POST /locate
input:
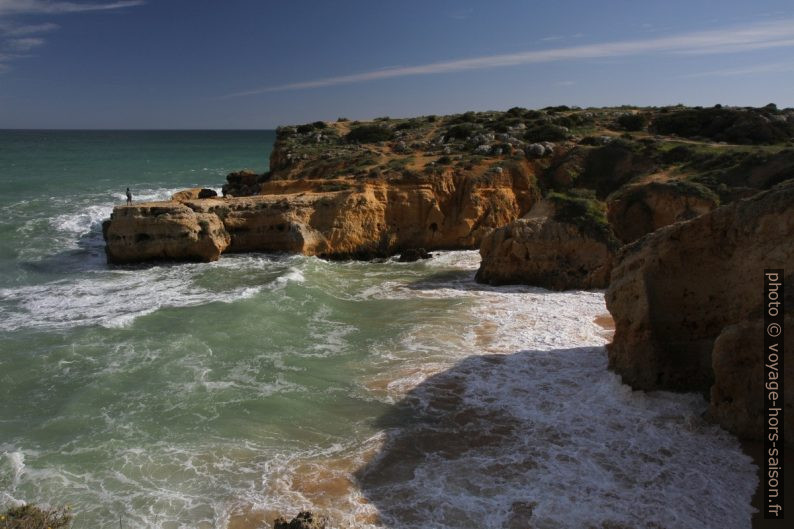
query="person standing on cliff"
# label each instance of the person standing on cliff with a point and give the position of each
(129, 197)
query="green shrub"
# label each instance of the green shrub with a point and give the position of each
(725, 124)
(633, 122)
(369, 134)
(462, 131)
(33, 517)
(543, 131)
(581, 208)
(319, 124)
(409, 124)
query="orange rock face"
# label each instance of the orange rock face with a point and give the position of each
(332, 218)
(163, 231)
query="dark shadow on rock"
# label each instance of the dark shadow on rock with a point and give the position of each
(552, 439)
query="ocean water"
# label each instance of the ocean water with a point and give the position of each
(383, 395)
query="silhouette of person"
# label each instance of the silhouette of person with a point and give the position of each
(129, 197)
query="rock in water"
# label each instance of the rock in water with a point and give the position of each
(678, 294)
(163, 231)
(414, 254)
(304, 520)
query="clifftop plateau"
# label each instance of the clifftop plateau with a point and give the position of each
(367, 189)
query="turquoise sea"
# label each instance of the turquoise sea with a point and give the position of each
(381, 394)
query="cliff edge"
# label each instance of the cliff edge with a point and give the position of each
(687, 302)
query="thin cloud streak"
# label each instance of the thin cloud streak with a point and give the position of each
(23, 31)
(19, 39)
(726, 40)
(43, 7)
(25, 44)
(777, 67)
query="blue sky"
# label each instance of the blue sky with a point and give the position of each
(258, 64)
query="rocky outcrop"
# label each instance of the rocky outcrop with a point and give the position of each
(163, 231)
(641, 209)
(367, 189)
(547, 251)
(243, 183)
(193, 194)
(329, 218)
(304, 520)
(678, 295)
(414, 254)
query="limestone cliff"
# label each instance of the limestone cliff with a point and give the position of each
(163, 231)
(549, 250)
(361, 219)
(683, 298)
(365, 189)
(643, 208)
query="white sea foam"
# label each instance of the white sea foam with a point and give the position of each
(552, 430)
(11, 470)
(510, 409)
(115, 298)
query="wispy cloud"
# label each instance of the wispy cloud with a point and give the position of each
(17, 39)
(777, 67)
(24, 44)
(725, 40)
(46, 7)
(10, 30)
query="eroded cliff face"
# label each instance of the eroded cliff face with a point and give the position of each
(163, 231)
(358, 219)
(678, 295)
(548, 251)
(365, 189)
(641, 209)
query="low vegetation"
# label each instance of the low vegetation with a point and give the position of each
(720, 153)
(581, 208)
(369, 134)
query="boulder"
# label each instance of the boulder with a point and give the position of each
(414, 254)
(193, 194)
(304, 520)
(244, 183)
(677, 294)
